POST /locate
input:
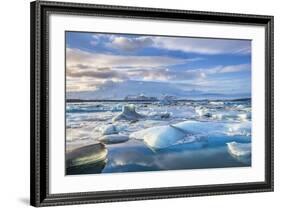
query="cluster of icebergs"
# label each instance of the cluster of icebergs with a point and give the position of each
(222, 114)
(161, 137)
(191, 132)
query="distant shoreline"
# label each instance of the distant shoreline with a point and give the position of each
(153, 101)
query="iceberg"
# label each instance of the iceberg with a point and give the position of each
(201, 111)
(244, 116)
(239, 149)
(159, 137)
(203, 128)
(128, 113)
(109, 129)
(216, 103)
(159, 115)
(239, 129)
(113, 139)
(86, 155)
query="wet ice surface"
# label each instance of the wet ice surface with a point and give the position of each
(193, 134)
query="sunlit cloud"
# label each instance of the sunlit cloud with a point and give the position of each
(130, 44)
(190, 45)
(204, 45)
(77, 56)
(116, 64)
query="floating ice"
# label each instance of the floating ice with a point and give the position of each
(113, 139)
(86, 155)
(216, 103)
(244, 116)
(217, 116)
(117, 107)
(201, 111)
(159, 115)
(239, 149)
(159, 137)
(239, 129)
(108, 129)
(128, 113)
(206, 128)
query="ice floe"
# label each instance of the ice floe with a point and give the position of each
(108, 129)
(159, 137)
(201, 111)
(113, 139)
(216, 103)
(192, 131)
(86, 155)
(158, 115)
(239, 129)
(205, 128)
(239, 149)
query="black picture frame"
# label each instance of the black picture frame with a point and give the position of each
(39, 156)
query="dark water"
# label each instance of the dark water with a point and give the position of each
(135, 156)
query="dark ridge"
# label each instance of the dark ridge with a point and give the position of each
(157, 100)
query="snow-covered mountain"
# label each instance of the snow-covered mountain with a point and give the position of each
(121, 90)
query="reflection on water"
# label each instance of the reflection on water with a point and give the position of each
(134, 156)
(86, 169)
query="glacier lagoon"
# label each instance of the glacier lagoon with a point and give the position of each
(133, 136)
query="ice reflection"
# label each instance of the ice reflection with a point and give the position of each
(135, 156)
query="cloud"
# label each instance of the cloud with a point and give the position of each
(130, 44)
(91, 71)
(204, 45)
(98, 73)
(94, 60)
(227, 69)
(185, 44)
(83, 68)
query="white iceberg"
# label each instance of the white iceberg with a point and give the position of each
(206, 128)
(159, 115)
(244, 116)
(128, 113)
(239, 129)
(201, 111)
(216, 103)
(239, 149)
(159, 137)
(113, 139)
(108, 129)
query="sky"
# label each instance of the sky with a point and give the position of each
(111, 66)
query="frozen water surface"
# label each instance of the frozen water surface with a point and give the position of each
(151, 136)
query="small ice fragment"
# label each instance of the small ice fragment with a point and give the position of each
(239, 129)
(216, 103)
(113, 139)
(201, 111)
(109, 129)
(243, 116)
(159, 115)
(239, 149)
(217, 116)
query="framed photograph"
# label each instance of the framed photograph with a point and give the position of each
(132, 103)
